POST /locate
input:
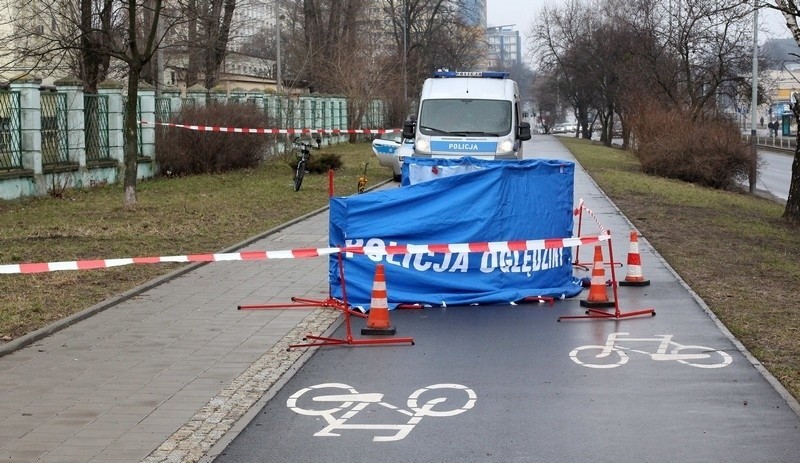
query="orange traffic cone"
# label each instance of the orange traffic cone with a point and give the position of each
(598, 296)
(378, 318)
(634, 276)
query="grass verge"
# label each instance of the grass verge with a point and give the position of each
(732, 249)
(190, 215)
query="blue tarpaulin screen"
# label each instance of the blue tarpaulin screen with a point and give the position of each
(417, 170)
(503, 201)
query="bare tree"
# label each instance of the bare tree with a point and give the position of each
(322, 30)
(94, 35)
(549, 108)
(702, 46)
(61, 37)
(205, 39)
(422, 34)
(584, 53)
(611, 51)
(791, 212)
(140, 41)
(437, 34)
(262, 44)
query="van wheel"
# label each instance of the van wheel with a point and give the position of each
(397, 178)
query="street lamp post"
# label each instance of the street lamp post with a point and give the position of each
(754, 103)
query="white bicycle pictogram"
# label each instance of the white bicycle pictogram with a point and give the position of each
(613, 355)
(349, 402)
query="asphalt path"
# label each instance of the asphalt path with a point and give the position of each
(775, 173)
(532, 401)
(511, 383)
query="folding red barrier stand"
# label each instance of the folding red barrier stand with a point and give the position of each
(348, 339)
(596, 314)
(302, 303)
(332, 303)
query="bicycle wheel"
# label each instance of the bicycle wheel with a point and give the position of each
(307, 406)
(707, 357)
(586, 356)
(299, 174)
(461, 398)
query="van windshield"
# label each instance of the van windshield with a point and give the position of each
(463, 117)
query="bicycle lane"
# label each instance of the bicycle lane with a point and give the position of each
(533, 401)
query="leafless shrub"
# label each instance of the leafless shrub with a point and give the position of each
(708, 151)
(188, 152)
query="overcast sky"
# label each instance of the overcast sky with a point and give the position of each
(523, 12)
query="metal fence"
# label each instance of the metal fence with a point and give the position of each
(779, 143)
(10, 130)
(163, 109)
(66, 134)
(95, 116)
(55, 150)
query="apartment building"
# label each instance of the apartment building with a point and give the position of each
(504, 46)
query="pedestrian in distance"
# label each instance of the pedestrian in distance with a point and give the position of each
(762, 121)
(771, 127)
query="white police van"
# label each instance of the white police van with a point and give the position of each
(472, 113)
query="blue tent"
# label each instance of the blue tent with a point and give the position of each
(501, 201)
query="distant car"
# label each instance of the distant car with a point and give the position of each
(391, 149)
(565, 128)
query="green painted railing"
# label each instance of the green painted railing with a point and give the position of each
(55, 150)
(10, 131)
(95, 117)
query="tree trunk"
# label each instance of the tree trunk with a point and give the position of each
(583, 122)
(193, 66)
(132, 137)
(94, 62)
(792, 211)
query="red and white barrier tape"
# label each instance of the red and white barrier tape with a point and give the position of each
(208, 128)
(589, 211)
(495, 246)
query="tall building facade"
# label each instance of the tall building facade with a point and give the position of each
(504, 46)
(473, 12)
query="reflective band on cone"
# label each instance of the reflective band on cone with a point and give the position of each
(378, 318)
(598, 295)
(634, 275)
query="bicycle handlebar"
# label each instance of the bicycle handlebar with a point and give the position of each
(302, 144)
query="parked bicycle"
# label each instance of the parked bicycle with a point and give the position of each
(304, 157)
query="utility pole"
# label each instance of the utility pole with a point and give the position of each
(754, 104)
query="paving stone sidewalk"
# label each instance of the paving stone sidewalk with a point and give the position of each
(132, 382)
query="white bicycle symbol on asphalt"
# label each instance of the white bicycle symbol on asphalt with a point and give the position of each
(350, 402)
(613, 355)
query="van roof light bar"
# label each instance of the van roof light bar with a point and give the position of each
(483, 74)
